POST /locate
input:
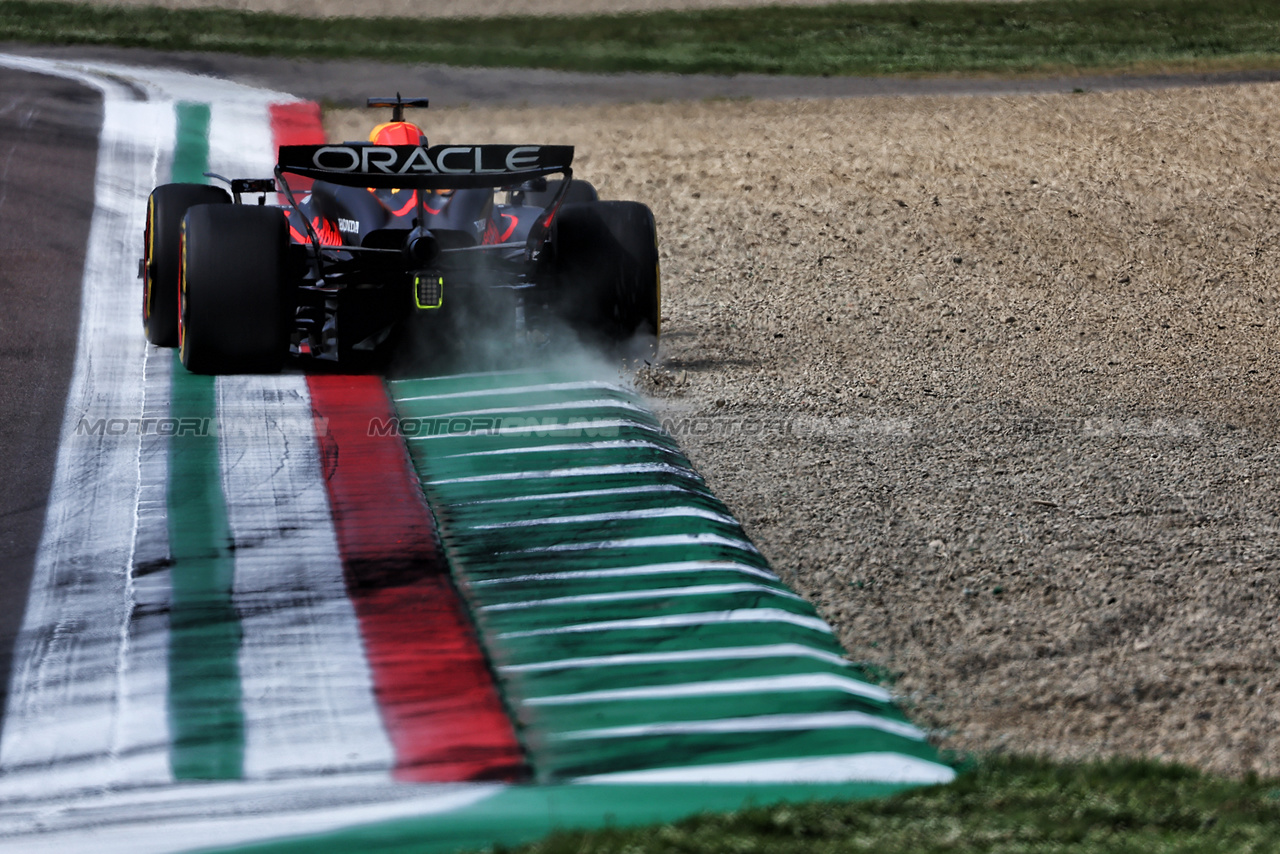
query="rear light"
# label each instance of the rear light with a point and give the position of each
(428, 291)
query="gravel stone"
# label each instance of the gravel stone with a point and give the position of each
(1058, 382)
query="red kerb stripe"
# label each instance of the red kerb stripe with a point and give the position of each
(297, 123)
(432, 681)
(433, 684)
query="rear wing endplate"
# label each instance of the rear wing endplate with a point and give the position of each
(440, 167)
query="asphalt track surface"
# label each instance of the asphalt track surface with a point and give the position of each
(48, 155)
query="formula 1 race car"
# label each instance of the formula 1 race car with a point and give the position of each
(449, 239)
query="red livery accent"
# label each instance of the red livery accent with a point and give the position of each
(327, 232)
(432, 681)
(408, 206)
(491, 234)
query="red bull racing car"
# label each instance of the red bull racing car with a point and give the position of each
(449, 241)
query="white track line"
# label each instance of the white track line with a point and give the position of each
(202, 816)
(143, 685)
(64, 690)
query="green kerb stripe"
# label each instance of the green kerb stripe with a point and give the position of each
(581, 534)
(191, 150)
(206, 719)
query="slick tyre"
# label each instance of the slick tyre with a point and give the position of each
(166, 207)
(607, 274)
(232, 306)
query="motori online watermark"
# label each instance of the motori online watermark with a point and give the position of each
(535, 425)
(198, 427)
(507, 425)
(605, 427)
(798, 426)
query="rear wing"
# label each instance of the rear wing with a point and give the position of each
(441, 167)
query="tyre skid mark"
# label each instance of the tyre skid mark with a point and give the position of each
(61, 730)
(86, 746)
(307, 692)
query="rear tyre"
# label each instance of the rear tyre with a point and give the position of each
(232, 306)
(166, 207)
(607, 278)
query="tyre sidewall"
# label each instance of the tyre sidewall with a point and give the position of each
(606, 277)
(232, 290)
(166, 206)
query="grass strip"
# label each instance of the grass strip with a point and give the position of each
(876, 39)
(1010, 805)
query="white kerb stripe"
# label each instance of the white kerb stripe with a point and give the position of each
(573, 406)
(577, 426)
(787, 684)
(638, 570)
(521, 389)
(673, 621)
(642, 543)
(728, 653)
(640, 595)
(616, 444)
(510, 372)
(579, 471)
(805, 722)
(616, 516)
(849, 768)
(583, 493)
(307, 691)
(240, 140)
